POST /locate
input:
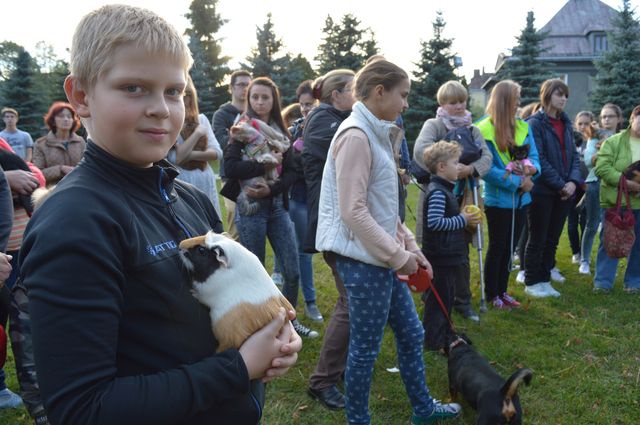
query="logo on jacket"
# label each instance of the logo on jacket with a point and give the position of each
(161, 247)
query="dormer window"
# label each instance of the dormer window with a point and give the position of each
(599, 42)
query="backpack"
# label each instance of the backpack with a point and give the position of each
(471, 149)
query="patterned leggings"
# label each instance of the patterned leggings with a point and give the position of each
(376, 297)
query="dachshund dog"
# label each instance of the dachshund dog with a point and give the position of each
(231, 281)
(260, 143)
(495, 399)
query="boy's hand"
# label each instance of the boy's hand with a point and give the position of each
(263, 347)
(464, 171)
(5, 267)
(289, 351)
(411, 266)
(473, 219)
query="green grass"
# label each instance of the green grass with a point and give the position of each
(583, 349)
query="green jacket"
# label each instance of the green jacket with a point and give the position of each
(614, 156)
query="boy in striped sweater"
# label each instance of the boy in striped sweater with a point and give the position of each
(443, 238)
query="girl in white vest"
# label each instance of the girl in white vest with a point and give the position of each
(358, 220)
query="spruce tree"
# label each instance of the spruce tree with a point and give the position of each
(264, 60)
(21, 94)
(294, 71)
(345, 45)
(618, 78)
(523, 66)
(434, 69)
(210, 66)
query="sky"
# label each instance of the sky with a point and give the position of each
(481, 29)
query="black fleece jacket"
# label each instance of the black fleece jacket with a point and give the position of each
(117, 335)
(320, 127)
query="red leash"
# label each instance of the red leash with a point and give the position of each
(420, 281)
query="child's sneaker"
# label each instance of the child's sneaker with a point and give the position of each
(9, 400)
(575, 259)
(440, 411)
(509, 300)
(556, 276)
(277, 279)
(584, 268)
(498, 304)
(520, 277)
(304, 331)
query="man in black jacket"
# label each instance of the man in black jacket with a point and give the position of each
(223, 119)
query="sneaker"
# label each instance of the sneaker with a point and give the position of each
(498, 304)
(584, 268)
(632, 290)
(278, 280)
(469, 314)
(541, 290)
(509, 300)
(556, 276)
(516, 258)
(311, 312)
(41, 418)
(440, 411)
(575, 259)
(520, 277)
(304, 331)
(599, 290)
(9, 400)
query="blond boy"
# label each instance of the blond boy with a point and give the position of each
(118, 337)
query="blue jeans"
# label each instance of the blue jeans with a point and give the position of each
(606, 266)
(272, 221)
(298, 214)
(375, 297)
(592, 207)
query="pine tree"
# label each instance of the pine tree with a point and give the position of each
(523, 66)
(618, 78)
(294, 70)
(435, 68)
(345, 45)
(265, 59)
(210, 66)
(20, 93)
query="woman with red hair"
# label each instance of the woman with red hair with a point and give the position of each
(57, 153)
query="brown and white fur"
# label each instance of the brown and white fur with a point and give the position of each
(231, 281)
(260, 143)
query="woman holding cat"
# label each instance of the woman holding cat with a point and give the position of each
(196, 147)
(358, 221)
(616, 154)
(506, 195)
(271, 219)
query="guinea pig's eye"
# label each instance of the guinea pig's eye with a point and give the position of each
(202, 250)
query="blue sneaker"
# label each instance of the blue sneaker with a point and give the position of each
(9, 400)
(441, 411)
(277, 279)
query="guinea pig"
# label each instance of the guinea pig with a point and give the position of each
(232, 282)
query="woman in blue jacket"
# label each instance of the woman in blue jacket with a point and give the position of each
(506, 194)
(552, 193)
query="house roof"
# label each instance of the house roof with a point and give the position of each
(569, 28)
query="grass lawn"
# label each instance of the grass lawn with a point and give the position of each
(583, 349)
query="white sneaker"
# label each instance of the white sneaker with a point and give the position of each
(520, 277)
(541, 290)
(584, 268)
(556, 276)
(551, 290)
(575, 259)
(9, 400)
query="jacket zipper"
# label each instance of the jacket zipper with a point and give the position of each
(167, 201)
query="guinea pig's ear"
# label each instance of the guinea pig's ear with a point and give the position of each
(221, 256)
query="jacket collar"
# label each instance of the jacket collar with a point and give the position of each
(154, 184)
(50, 139)
(383, 130)
(443, 182)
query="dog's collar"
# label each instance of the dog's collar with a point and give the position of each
(457, 342)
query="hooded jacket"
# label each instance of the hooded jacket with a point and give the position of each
(118, 337)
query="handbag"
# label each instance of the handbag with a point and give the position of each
(619, 234)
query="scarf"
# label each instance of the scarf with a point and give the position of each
(453, 121)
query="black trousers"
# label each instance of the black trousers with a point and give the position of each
(576, 222)
(501, 246)
(546, 218)
(434, 321)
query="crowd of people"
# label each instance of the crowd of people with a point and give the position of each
(98, 299)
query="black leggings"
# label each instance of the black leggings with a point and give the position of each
(498, 260)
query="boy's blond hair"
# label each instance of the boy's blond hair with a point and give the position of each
(6, 109)
(441, 151)
(101, 32)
